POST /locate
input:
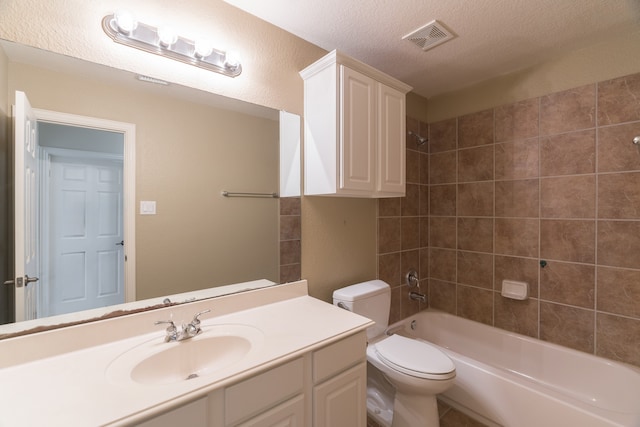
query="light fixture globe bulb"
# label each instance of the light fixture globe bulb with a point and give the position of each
(202, 48)
(125, 22)
(231, 59)
(167, 36)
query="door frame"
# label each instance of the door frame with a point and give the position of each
(129, 173)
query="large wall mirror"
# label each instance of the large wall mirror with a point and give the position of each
(190, 146)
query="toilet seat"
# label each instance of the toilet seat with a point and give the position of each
(415, 358)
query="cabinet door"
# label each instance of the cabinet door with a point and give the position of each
(192, 415)
(341, 401)
(357, 132)
(288, 414)
(391, 145)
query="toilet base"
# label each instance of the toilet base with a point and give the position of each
(410, 410)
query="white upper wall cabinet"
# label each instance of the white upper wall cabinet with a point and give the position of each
(354, 131)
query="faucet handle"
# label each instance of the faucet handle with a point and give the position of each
(172, 331)
(196, 321)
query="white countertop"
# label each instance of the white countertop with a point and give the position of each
(72, 389)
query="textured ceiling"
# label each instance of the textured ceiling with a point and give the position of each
(493, 37)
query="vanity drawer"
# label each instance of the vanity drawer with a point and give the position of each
(339, 356)
(263, 391)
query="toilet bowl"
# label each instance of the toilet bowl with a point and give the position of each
(416, 370)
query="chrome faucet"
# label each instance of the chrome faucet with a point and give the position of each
(185, 332)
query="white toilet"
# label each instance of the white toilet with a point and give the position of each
(416, 370)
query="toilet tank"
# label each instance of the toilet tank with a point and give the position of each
(370, 299)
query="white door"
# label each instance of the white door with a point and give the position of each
(26, 210)
(86, 234)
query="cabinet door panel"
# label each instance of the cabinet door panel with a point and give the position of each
(358, 138)
(288, 414)
(391, 147)
(340, 401)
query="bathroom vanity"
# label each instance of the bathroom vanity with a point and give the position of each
(272, 356)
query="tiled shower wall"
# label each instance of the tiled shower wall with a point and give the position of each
(545, 191)
(290, 249)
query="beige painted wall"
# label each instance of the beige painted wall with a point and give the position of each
(186, 154)
(614, 57)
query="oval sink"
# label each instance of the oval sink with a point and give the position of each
(155, 362)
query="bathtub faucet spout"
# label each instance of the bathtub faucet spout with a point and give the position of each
(418, 297)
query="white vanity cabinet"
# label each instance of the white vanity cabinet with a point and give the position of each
(323, 388)
(354, 131)
(340, 383)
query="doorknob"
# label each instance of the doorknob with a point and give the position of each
(28, 280)
(120, 244)
(9, 282)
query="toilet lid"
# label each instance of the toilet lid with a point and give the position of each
(415, 358)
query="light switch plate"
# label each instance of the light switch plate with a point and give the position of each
(147, 207)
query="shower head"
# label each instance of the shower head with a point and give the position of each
(421, 140)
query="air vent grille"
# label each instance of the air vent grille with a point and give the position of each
(430, 35)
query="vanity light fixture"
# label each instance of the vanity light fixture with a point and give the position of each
(123, 28)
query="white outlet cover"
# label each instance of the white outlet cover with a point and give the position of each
(147, 207)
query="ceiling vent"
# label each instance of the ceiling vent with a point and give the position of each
(430, 35)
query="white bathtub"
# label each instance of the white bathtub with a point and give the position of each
(512, 380)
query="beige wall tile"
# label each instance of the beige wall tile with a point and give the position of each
(475, 199)
(518, 269)
(516, 316)
(568, 197)
(517, 198)
(423, 272)
(475, 269)
(290, 205)
(475, 129)
(616, 151)
(442, 232)
(410, 231)
(475, 234)
(389, 237)
(442, 264)
(475, 304)
(389, 268)
(568, 240)
(442, 296)
(618, 338)
(424, 231)
(566, 283)
(443, 136)
(517, 160)
(442, 167)
(476, 164)
(290, 273)
(567, 326)
(410, 203)
(423, 208)
(389, 206)
(290, 252)
(568, 154)
(517, 121)
(619, 100)
(566, 111)
(619, 291)
(619, 196)
(517, 236)
(413, 166)
(424, 168)
(290, 228)
(619, 243)
(442, 200)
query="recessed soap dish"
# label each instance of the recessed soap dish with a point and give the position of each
(515, 290)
